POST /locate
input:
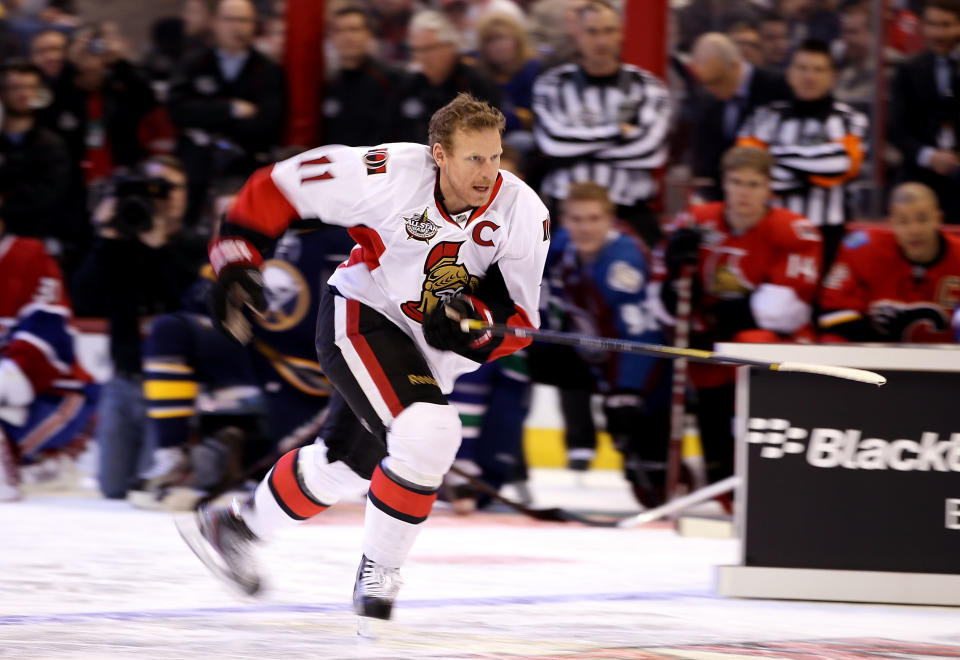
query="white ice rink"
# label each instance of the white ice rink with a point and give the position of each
(94, 579)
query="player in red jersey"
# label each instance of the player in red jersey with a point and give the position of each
(45, 397)
(899, 283)
(757, 269)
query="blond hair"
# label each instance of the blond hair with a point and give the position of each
(488, 28)
(588, 191)
(466, 113)
(753, 158)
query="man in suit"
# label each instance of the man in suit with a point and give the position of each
(925, 112)
(228, 102)
(730, 89)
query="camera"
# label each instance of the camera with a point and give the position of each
(136, 196)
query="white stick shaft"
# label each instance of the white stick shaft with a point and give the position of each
(681, 503)
(849, 373)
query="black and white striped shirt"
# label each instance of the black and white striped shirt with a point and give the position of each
(818, 148)
(578, 120)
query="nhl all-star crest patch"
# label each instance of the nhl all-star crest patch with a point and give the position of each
(421, 227)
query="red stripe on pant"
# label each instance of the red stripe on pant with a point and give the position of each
(370, 360)
(289, 491)
(405, 503)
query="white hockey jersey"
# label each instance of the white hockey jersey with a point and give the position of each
(410, 253)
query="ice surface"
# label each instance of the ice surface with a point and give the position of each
(84, 578)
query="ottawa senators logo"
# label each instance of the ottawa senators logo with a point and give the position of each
(445, 278)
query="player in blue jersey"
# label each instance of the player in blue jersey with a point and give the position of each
(599, 279)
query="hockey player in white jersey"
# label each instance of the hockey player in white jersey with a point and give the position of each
(437, 227)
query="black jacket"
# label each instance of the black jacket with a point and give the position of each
(200, 98)
(419, 99)
(707, 116)
(127, 98)
(359, 105)
(34, 177)
(124, 281)
(917, 110)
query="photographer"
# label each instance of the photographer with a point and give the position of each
(135, 270)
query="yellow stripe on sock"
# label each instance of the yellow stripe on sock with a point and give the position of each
(170, 389)
(166, 413)
(167, 368)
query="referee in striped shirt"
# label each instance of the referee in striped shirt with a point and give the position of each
(603, 121)
(817, 143)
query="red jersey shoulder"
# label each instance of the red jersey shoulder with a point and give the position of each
(29, 274)
(707, 214)
(953, 250)
(872, 249)
(786, 228)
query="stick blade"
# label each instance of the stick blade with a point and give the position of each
(847, 373)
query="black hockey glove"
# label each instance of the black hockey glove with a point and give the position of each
(237, 286)
(442, 329)
(683, 248)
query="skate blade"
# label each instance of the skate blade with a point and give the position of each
(189, 530)
(371, 630)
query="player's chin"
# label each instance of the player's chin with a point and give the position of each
(481, 194)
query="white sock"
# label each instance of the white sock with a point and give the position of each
(396, 509)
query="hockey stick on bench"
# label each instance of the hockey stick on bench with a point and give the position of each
(656, 350)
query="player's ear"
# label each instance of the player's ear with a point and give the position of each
(438, 154)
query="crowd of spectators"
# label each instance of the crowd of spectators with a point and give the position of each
(93, 124)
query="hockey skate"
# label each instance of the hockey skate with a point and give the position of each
(376, 589)
(224, 543)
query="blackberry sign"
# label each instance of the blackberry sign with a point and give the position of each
(843, 476)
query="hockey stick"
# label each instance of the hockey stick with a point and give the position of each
(678, 399)
(672, 352)
(681, 503)
(549, 515)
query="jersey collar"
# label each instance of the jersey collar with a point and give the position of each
(476, 213)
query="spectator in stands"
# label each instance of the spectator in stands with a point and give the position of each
(896, 283)
(774, 40)
(747, 39)
(197, 17)
(925, 108)
(476, 11)
(730, 89)
(552, 26)
(136, 269)
(756, 269)
(818, 144)
(856, 63)
(391, 19)
(810, 19)
(48, 51)
(441, 76)
(617, 143)
(228, 102)
(506, 56)
(34, 163)
(99, 107)
(360, 98)
(700, 16)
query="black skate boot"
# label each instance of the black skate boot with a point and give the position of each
(376, 589)
(224, 543)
